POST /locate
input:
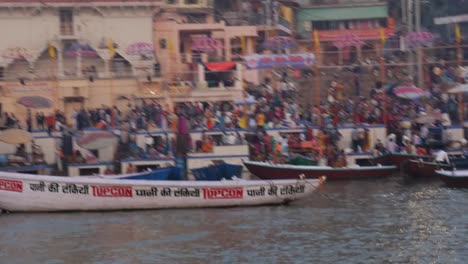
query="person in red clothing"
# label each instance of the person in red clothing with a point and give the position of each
(50, 122)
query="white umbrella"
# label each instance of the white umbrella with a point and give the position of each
(96, 140)
(427, 119)
(15, 136)
(462, 88)
(408, 91)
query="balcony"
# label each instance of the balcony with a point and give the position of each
(67, 31)
(189, 6)
(322, 3)
(241, 19)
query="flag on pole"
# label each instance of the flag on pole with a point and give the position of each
(110, 46)
(382, 36)
(170, 46)
(51, 50)
(242, 45)
(457, 33)
(316, 40)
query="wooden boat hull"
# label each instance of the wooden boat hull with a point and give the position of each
(454, 178)
(268, 171)
(423, 169)
(23, 192)
(397, 159)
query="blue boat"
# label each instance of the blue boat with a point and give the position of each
(217, 172)
(170, 173)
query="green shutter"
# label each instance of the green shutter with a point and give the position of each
(339, 13)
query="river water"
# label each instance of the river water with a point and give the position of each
(370, 221)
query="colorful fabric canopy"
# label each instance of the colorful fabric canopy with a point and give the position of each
(84, 50)
(349, 40)
(35, 102)
(279, 42)
(206, 44)
(408, 91)
(220, 66)
(140, 48)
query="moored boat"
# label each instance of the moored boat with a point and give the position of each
(268, 171)
(420, 168)
(217, 172)
(397, 159)
(454, 178)
(427, 168)
(24, 192)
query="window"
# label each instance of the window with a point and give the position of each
(66, 22)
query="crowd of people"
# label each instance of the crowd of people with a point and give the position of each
(275, 104)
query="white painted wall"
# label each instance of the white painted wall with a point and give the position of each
(20, 29)
(34, 32)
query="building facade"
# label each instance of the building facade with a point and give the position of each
(108, 52)
(338, 22)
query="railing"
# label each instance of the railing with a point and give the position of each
(189, 3)
(66, 29)
(240, 18)
(311, 3)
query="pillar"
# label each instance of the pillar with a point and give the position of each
(359, 53)
(107, 68)
(239, 78)
(250, 43)
(79, 73)
(340, 56)
(201, 72)
(59, 48)
(227, 47)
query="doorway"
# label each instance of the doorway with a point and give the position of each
(71, 105)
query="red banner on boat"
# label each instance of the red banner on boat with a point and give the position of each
(299, 60)
(223, 193)
(112, 191)
(10, 185)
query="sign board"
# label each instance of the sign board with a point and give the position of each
(180, 90)
(286, 19)
(298, 60)
(450, 19)
(29, 88)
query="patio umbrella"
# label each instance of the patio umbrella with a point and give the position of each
(35, 102)
(408, 91)
(15, 136)
(416, 39)
(349, 40)
(205, 44)
(249, 100)
(462, 88)
(140, 48)
(428, 119)
(96, 140)
(279, 42)
(17, 53)
(84, 50)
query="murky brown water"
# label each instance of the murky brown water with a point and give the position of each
(381, 221)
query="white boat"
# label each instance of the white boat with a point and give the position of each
(454, 178)
(36, 193)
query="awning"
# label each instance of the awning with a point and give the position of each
(220, 66)
(342, 13)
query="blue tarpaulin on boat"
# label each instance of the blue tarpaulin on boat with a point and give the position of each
(217, 172)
